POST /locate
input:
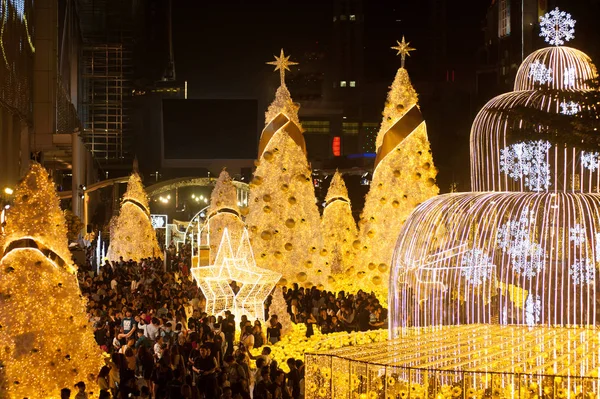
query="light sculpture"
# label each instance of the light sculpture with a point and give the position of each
(404, 176)
(256, 283)
(41, 354)
(132, 235)
(283, 218)
(498, 288)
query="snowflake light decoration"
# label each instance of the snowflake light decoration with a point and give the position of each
(589, 160)
(556, 27)
(569, 108)
(533, 306)
(540, 73)
(577, 234)
(569, 77)
(476, 267)
(527, 160)
(582, 271)
(514, 238)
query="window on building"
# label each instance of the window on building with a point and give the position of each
(350, 127)
(503, 18)
(343, 83)
(352, 83)
(334, 18)
(342, 17)
(352, 17)
(315, 127)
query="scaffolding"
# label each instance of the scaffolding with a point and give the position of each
(104, 104)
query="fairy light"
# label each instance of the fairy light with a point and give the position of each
(37, 276)
(133, 236)
(338, 228)
(404, 176)
(256, 283)
(223, 214)
(283, 217)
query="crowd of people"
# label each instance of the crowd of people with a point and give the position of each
(163, 345)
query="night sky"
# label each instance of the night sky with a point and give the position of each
(221, 48)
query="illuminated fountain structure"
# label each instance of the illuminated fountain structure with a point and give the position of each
(499, 287)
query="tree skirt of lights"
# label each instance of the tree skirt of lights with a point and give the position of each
(468, 361)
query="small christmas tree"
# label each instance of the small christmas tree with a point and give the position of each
(338, 227)
(223, 213)
(279, 307)
(133, 236)
(283, 217)
(41, 354)
(404, 176)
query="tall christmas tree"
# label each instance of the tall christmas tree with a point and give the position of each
(47, 343)
(223, 213)
(403, 177)
(133, 238)
(338, 227)
(283, 217)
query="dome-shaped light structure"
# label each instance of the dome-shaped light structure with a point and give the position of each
(558, 68)
(552, 80)
(503, 258)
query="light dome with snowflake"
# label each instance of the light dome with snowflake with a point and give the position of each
(525, 247)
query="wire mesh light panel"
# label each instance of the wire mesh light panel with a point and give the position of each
(553, 81)
(504, 258)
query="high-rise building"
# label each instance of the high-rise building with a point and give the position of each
(107, 68)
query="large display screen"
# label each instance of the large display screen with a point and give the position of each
(210, 129)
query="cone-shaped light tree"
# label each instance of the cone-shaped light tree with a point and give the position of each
(338, 227)
(403, 177)
(283, 217)
(133, 236)
(223, 213)
(41, 354)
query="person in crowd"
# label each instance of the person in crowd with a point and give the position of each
(274, 330)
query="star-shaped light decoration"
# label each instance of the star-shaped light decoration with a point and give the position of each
(256, 283)
(403, 49)
(282, 63)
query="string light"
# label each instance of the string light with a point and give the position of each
(133, 236)
(41, 355)
(256, 283)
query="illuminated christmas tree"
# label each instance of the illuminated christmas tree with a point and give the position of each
(133, 238)
(338, 227)
(283, 217)
(223, 213)
(279, 307)
(403, 177)
(47, 343)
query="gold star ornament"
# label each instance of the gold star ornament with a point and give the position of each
(403, 49)
(282, 63)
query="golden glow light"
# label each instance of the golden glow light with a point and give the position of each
(132, 235)
(283, 218)
(256, 283)
(403, 178)
(41, 355)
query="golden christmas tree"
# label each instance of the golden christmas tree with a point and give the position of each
(46, 340)
(338, 227)
(283, 217)
(223, 213)
(403, 177)
(133, 238)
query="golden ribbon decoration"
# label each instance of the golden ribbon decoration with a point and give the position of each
(281, 121)
(398, 132)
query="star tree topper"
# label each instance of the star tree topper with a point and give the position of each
(282, 63)
(403, 49)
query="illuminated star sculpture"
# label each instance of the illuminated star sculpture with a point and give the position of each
(256, 283)
(282, 63)
(403, 49)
